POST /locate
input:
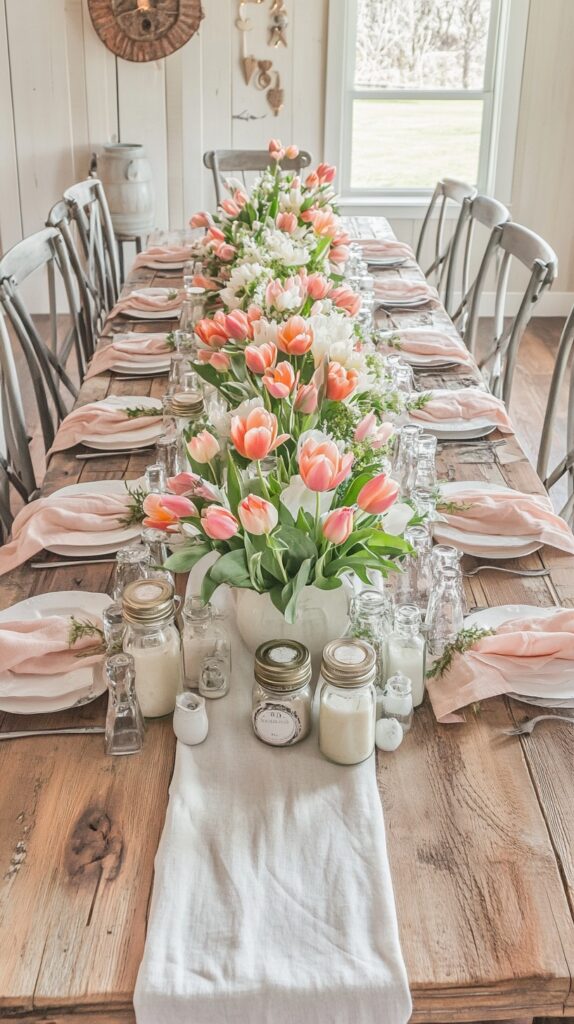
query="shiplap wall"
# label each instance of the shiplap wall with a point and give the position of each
(63, 95)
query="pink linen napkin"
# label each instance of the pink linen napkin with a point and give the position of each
(153, 300)
(400, 290)
(466, 404)
(539, 648)
(374, 247)
(507, 515)
(162, 254)
(130, 348)
(96, 419)
(69, 520)
(427, 341)
(42, 646)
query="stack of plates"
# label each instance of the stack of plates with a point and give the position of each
(482, 545)
(149, 366)
(106, 542)
(37, 694)
(125, 439)
(387, 262)
(133, 313)
(456, 430)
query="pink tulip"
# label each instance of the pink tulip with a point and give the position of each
(324, 222)
(257, 515)
(238, 325)
(254, 312)
(230, 207)
(163, 511)
(276, 151)
(220, 361)
(377, 436)
(366, 426)
(295, 336)
(339, 254)
(286, 222)
(240, 197)
(322, 466)
(260, 358)
(203, 447)
(280, 380)
(376, 496)
(209, 283)
(218, 523)
(292, 152)
(213, 332)
(215, 234)
(340, 382)
(255, 435)
(326, 173)
(312, 180)
(226, 252)
(183, 483)
(200, 220)
(338, 525)
(345, 299)
(307, 399)
(318, 286)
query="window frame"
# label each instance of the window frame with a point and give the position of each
(500, 95)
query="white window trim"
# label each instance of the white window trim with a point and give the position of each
(501, 95)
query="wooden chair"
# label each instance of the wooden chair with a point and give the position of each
(90, 314)
(223, 162)
(89, 209)
(46, 363)
(447, 192)
(16, 469)
(509, 242)
(490, 214)
(566, 465)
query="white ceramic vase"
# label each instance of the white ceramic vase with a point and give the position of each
(126, 175)
(322, 615)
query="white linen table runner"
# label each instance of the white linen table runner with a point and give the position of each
(272, 899)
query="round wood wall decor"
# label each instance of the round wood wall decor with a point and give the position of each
(141, 30)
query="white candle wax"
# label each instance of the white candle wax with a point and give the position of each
(158, 675)
(409, 661)
(347, 727)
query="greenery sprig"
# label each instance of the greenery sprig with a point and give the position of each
(420, 401)
(135, 513)
(136, 411)
(466, 639)
(81, 628)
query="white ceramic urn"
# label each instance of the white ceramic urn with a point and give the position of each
(126, 175)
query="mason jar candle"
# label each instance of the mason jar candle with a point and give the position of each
(348, 701)
(154, 643)
(281, 704)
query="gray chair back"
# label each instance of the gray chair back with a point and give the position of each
(224, 162)
(509, 242)
(90, 315)
(16, 468)
(89, 209)
(489, 213)
(565, 466)
(448, 191)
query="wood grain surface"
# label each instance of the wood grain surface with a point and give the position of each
(480, 830)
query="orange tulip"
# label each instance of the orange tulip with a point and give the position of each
(340, 382)
(378, 494)
(322, 466)
(255, 435)
(295, 336)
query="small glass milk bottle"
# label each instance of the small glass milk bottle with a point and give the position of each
(348, 701)
(407, 650)
(154, 643)
(206, 650)
(372, 620)
(398, 700)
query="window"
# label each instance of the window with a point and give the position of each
(420, 93)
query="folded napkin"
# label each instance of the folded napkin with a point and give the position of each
(374, 247)
(529, 656)
(129, 348)
(63, 519)
(272, 896)
(162, 254)
(466, 404)
(400, 290)
(427, 341)
(504, 514)
(153, 300)
(47, 646)
(96, 419)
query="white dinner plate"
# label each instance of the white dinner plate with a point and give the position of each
(151, 314)
(158, 265)
(128, 438)
(492, 618)
(81, 685)
(456, 430)
(416, 360)
(106, 542)
(482, 545)
(386, 262)
(151, 367)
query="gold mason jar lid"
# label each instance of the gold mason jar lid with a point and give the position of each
(187, 403)
(282, 664)
(349, 662)
(148, 601)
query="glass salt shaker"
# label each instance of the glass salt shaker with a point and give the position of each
(398, 700)
(204, 639)
(407, 650)
(155, 480)
(445, 613)
(125, 726)
(114, 627)
(154, 643)
(348, 701)
(131, 564)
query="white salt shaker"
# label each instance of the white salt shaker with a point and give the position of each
(190, 723)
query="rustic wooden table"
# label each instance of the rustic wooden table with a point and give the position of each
(480, 831)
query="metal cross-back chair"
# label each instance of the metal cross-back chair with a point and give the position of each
(16, 468)
(488, 212)
(223, 162)
(511, 242)
(447, 191)
(46, 363)
(89, 209)
(566, 465)
(90, 314)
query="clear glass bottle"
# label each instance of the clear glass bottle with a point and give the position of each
(445, 613)
(155, 480)
(166, 449)
(371, 619)
(206, 650)
(281, 695)
(188, 411)
(425, 470)
(132, 563)
(424, 500)
(125, 726)
(405, 458)
(154, 643)
(114, 627)
(348, 701)
(398, 700)
(413, 583)
(407, 650)
(444, 555)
